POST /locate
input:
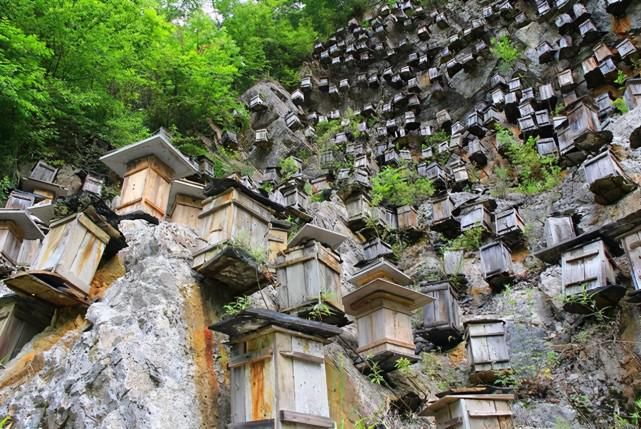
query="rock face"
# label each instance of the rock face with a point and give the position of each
(133, 361)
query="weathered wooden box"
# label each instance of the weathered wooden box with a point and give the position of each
(21, 319)
(16, 227)
(407, 218)
(383, 311)
(477, 153)
(359, 210)
(277, 367)
(185, 203)
(476, 216)
(558, 229)
(43, 172)
(309, 272)
(19, 200)
(509, 227)
(62, 272)
(487, 348)
(606, 178)
(631, 243)
(234, 215)
(588, 272)
(632, 94)
(148, 168)
(443, 219)
(472, 411)
(496, 264)
(441, 317)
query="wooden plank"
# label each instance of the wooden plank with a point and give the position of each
(305, 419)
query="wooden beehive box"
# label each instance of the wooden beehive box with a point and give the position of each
(496, 264)
(407, 218)
(476, 215)
(21, 319)
(148, 168)
(487, 349)
(277, 370)
(16, 226)
(509, 227)
(62, 272)
(547, 146)
(377, 248)
(359, 210)
(441, 318)
(383, 311)
(558, 229)
(19, 200)
(93, 184)
(43, 172)
(632, 94)
(631, 243)
(309, 272)
(185, 203)
(588, 271)
(233, 215)
(443, 219)
(472, 411)
(606, 178)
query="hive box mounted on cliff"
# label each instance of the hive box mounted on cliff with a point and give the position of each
(589, 278)
(509, 227)
(41, 182)
(608, 182)
(441, 317)
(383, 310)
(233, 222)
(443, 219)
(487, 349)
(185, 203)
(631, 242)
(16, 226)
(67, 261)
(148, 167)
(277, 370)
(21, 318)
(496, 264)
(309, 273)
(472, 411)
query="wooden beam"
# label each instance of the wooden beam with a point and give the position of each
(305, 419)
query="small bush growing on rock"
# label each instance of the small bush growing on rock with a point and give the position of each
(620, 105)
(470, 240)
(535, 173)
(400, 186)
(239, 304)
(403, 365)
(620, 80)
(288, 167)
(437, 137)
(503, 49)
(376, 374)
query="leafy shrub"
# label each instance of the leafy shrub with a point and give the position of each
(437, 137)
(507, 54)
(376, 374)
(535, 173)
(325, 131)
(468, 241)
(403, 365)
(620, 80)
(400, 186)
(239, 304)
(5, 187)
(620, 105)
(288, 167)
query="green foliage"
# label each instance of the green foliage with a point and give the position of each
(239, 304)
(321, 309)
(501, 182)
(620, 79)
(242, 241)
(288, 167)
(5, 188)
(74, 74)
(628, 421)
(535, 173)
(307, 188)
(403, 365)
(505, 51)
(469, 240)
(267, 186)
(376, 372)
(437, 137)
(620, 105)
(400, 186)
